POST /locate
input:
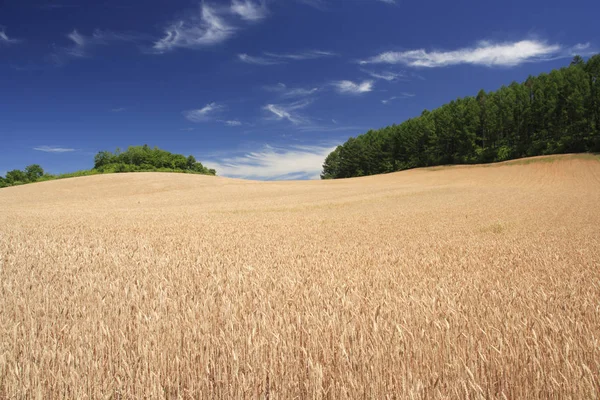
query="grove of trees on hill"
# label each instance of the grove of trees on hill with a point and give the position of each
(144, 158)
(135, 159)
(32, 173)
(551, 113)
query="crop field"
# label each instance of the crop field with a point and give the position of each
(449, 282)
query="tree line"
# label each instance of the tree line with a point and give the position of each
(134, 159)
(552, 113)
(32, 173)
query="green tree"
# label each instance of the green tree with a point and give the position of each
(576, 94)
(34, 172)
(468, 114)
(592, 69)
(191, 162)
(577, 60)
(16, 177)
(331, 165)
(103, 158)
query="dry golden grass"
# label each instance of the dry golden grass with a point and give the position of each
(460, 282)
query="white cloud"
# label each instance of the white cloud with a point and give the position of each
(205, 113)
(300, 92)
(403, 95)
(275, 58)
(116, 110)
(388, 1)
(233, 122)
(287, 111)
(249, 10)
(79, 44)
(304, 55)
(385, 75)
(82, 45)
(581, 46)
(53, 149)
(209, 28)
(77, 38)
(274, 163)
(486, 53)
(4, 39)
(285, 91)
(186, 129)
(257, 60)
(582, 49)
(349, 87)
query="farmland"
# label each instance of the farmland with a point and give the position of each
(445, 282)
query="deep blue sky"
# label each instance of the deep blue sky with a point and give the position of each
(258, 89)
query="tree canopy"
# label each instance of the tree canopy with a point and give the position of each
(144, 158)
(552, 113)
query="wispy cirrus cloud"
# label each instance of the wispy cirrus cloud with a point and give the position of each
(582, 49)
(118, 110)
(5, 40)
(249, 10)
(403, 95)
(205, 113)
(257, 60)
(268, 58)
(207, 28)
(303, 55)
(82, 45)
(389, 76)
(274, 163)
(287, 112)
(54, 149)
(486, 53)
(284, 91)
(232, 122)
(349, 87)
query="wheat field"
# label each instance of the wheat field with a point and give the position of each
(455, 282)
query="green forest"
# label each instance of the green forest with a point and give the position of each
(135, 159)
(552, 113)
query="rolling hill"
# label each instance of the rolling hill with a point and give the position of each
(478, 281)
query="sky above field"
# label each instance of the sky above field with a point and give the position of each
(256, 89)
